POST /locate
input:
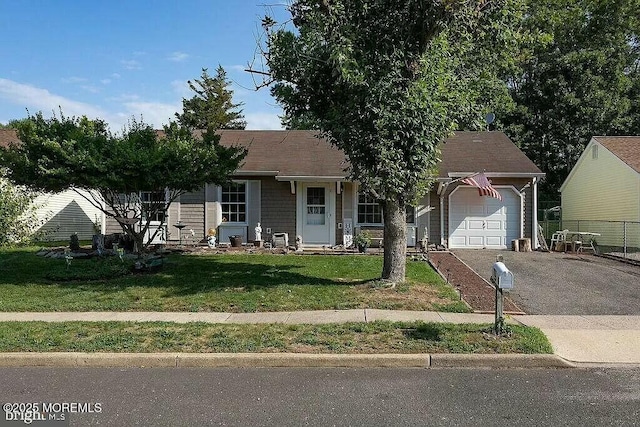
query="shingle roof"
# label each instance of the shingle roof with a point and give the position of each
(7, 136)
(291, 153)
(626, 148)
(492, 152)
(300, 153)
(296, 153)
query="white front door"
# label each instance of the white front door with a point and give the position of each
(316, 208)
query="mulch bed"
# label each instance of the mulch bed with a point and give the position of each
(475, 291)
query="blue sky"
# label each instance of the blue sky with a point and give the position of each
(114, 59)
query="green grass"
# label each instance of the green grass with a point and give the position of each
(230, 282)
(376, 337)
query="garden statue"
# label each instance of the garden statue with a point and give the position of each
(211, 237)
(298, 243)
(258, 231)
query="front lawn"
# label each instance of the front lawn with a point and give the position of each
(227, 283)
(376, 337)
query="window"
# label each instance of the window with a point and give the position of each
(234, 202)
(315, 206)
(369, 210)
(153, 205)
(411, 215)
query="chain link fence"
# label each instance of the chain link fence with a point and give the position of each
(617, 238)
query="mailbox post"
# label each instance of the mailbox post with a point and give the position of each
(502, 279)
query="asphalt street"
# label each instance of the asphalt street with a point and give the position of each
(559, 283)
(357, 397)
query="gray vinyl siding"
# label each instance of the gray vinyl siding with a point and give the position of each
(192, 215)
(278, 208)
(254, 209)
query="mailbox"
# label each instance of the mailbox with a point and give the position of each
(501, 276)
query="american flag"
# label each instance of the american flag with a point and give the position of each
(483, 184)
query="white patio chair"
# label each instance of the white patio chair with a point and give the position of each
(559, 237)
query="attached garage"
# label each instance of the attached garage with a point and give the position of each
(484, 222)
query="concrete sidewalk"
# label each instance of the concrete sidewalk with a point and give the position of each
(590, 340)
(583, 340)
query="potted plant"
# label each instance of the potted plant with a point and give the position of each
(363, 240)
(236, 241)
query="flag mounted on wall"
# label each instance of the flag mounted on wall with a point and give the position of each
(484, 185)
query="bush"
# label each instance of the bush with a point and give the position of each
(18, 219)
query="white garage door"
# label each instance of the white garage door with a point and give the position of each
(483, 222)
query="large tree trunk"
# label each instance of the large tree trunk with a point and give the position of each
(395, 241)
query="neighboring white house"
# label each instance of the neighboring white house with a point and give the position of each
(604, 185)
(63, 214)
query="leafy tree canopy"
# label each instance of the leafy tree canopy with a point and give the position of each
(386, 82)
(68, 152)
(581, 78)
(212, 105)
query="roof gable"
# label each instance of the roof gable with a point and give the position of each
(7, 136)
(291, 153)
(492, 152)
(626, 148)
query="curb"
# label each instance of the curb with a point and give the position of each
(499, 361)
(290, 360)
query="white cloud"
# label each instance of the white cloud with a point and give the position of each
(105, 81)
(74, 80)
(181, 88)
(115, 75)
(90, 88)
(131, 64)
(37, 99)
(124, 97)
(262, 121)
(239, 68)
(153, 113)
(177, 56)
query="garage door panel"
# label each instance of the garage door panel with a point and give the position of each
(483, 222)
(458, 241)
(494, 241)
(475, 241)
(475, 224)
(494, 225)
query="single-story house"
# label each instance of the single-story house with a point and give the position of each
(607, 171)
(293, 182)
(62, 214)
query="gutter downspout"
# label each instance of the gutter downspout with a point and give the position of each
(442, 218)
(442, 188)
(534, 214)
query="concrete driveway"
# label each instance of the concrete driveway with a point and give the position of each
(559, 283)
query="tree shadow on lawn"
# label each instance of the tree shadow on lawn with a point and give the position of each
(205, 275)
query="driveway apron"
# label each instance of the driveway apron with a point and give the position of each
(562, 283)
